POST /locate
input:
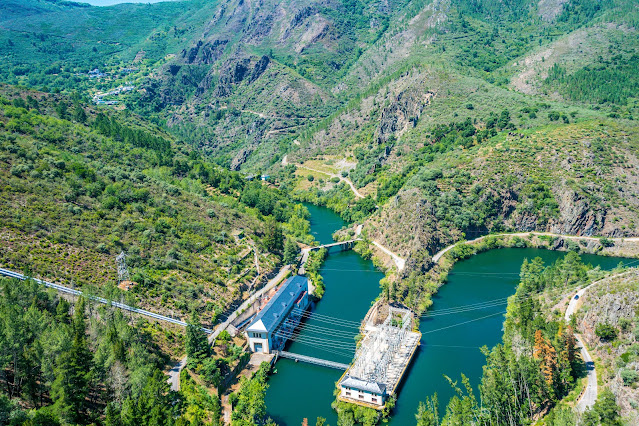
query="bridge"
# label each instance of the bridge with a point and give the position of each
(344, 245)
(73, 292)
(313, 360)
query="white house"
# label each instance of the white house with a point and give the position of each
(358, 390)
(275, 323)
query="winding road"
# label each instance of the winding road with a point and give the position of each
(440, 253)
(340, 177)
(589, 396)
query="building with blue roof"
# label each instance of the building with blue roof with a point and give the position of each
(275, 323)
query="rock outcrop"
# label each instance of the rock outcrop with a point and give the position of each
(402, 114)
(576, 216)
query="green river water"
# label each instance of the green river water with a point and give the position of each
(450, 342)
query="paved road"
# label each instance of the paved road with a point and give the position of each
(174, 373)
(589, 397)
(118, 305)
(440, 253)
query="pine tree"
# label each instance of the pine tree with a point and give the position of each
(273, 238)
(197, 345)
(71, 386)
(291, 251)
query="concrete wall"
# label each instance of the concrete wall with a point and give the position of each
(363, 396)
(264, 341)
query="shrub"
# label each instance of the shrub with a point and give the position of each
(310, 178)
(606, 331)
(628, 376)
(606, 242)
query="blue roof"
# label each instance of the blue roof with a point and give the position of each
(280, 304)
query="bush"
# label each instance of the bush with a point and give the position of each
(628, 376)
(606, 242)
(310, 178)
(606, 331)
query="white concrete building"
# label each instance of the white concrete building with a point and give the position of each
(361, 391)
(275, 323)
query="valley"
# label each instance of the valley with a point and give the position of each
(476, 160)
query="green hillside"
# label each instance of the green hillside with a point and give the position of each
(80, 186)
(136, 127)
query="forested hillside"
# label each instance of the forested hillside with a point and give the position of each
(81, 186)
(77, 363)
(184, 134)
(545, 371)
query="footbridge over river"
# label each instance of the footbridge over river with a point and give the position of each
(343, 245)
(312, 360)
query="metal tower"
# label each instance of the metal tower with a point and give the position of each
(123, 272)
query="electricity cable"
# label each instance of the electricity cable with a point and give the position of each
(464, 322)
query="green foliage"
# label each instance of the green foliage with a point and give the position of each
(249, 407)
(613, 80)
(605, 412)
(428, 413)
(312, 267)
(291, 252)
(538, 377)
(68, 379)
(196, 344)
(116, 183)
(606, 331)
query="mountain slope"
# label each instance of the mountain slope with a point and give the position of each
(80, 186)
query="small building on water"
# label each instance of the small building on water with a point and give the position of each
(276, 322)
(362, 391)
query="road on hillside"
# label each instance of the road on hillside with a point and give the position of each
(340, 177)
(589, 397)
(440, 253)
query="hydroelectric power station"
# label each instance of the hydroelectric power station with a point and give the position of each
(382, 357)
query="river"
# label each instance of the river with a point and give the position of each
(450, 341)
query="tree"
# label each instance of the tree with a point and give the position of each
(73, 374)
(273, 238)
(197, 345)
(291, 250)
(546, 354)
(79, 114)
(605, 412)
(427, 414)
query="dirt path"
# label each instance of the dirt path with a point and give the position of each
(401, 263)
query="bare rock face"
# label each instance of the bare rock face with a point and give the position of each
(240, 159)
(576, 216)
(232, 73)
(211, 52)
(402, 114)
(298, 19)
(259, 68)
(525, 222)
(190, 55)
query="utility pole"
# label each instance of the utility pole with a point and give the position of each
(123, 272)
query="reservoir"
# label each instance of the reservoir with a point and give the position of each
(450, 339)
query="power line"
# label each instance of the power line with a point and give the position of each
(324, 330)
(296, 335)
(329, 319)
(465, 322)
